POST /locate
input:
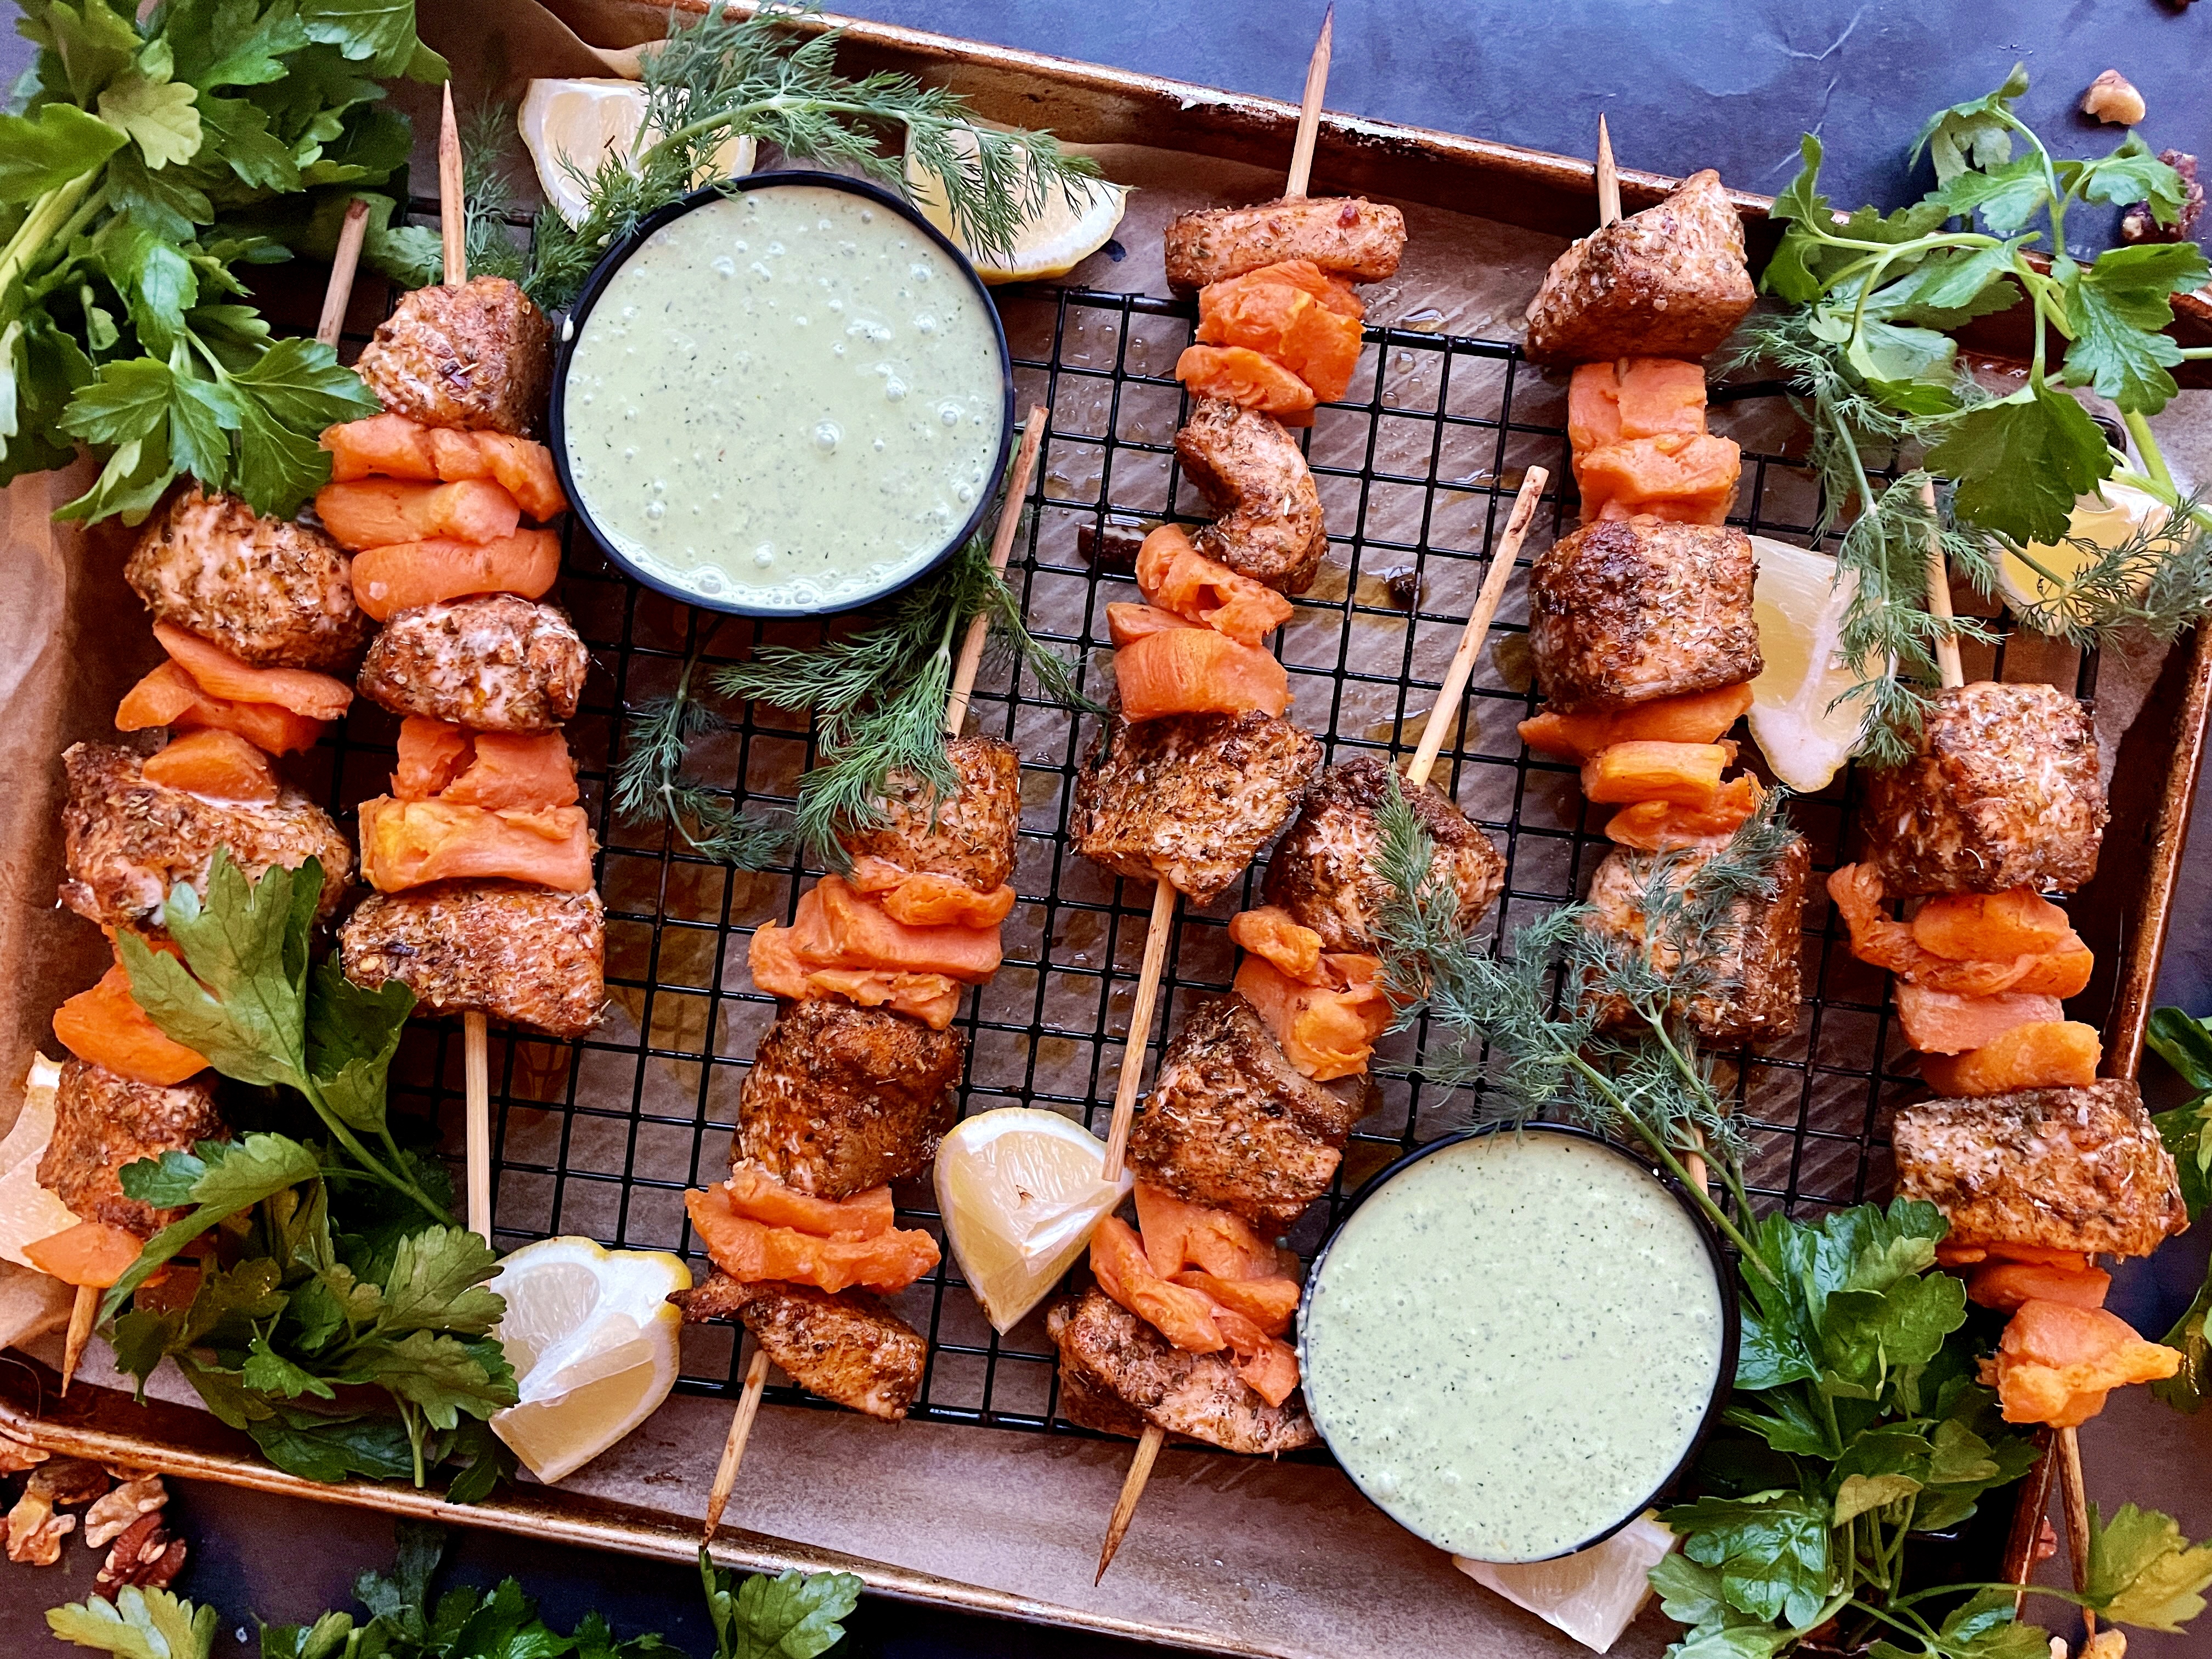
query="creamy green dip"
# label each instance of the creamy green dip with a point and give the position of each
(1510, 1345)
(790, 399)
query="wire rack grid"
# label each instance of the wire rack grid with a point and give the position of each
(1417, 470)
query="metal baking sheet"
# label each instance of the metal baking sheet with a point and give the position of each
(985, 1500)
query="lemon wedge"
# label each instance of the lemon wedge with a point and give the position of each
(1064, 234)
(571, 126)
(28, 1212)
(593, 1340)
(2104, 521)
(1592, 1595)
(1020, 1190)
(1799, 605)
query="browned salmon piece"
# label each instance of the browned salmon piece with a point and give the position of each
(1112, 1355)
(849, 1347)
(1343, 235)
(476, 356)
(1670, 281)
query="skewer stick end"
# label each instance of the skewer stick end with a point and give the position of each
(733, 1449)
(1132, 1489)
(453, 213)
(476, 1072)
(83, 1312)
(1609, 176)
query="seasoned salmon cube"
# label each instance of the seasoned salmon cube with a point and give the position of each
(1231, 1124)
(2003, 793)
(1191, 799)
(527, 955)
(1253, 473)
(1630, 610)
(1322, 871)
(1117, 1374)
(495, 663)
(2078, 1169)
(476, 356)
(849, 1347)
(1759, 954)
(1670, 281)
(102, 1122)
(841, 1099)
(1343, 236)
(971, 835)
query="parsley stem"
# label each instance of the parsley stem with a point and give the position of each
(47, 215)
(2191, 354)
(2138, 426)
(2052, 1590)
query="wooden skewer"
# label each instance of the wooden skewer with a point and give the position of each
(1608, 212)
(343, 263)
(475, 1033)
(2073, 1491)
(82, 1313)
(1609, 178)
(1471, 637)
(1302, 149)
(956, 715)
(1164, 893)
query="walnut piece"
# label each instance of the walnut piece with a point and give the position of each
(144, 1555)
(112, 1515)
(2140, 224)
(15, 1456)
(35, 1532)
(67, 1481)
(2111, 97)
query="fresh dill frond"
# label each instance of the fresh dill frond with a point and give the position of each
(878, 696)
(2157, 583)
(1524, 1022)
(1888, 633)
(649, 781)
(488, 193)
(720, 77)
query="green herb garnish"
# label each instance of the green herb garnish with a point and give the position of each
(878, 696)
(1866, 345)
(792, 1616)
(150, 160)
(721, 77)
(2185, 1044)
(316, 1270)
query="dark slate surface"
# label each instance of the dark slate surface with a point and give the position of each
(1684, 85)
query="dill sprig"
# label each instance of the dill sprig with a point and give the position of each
(2156, 583)
(1889, 634)
(1524, 1022)
(648, 780)
(488, 199)
(878, 696)
(721, 77)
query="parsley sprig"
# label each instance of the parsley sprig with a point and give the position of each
(2185, 1044)
(792, 1616)
(318, 1287)
(1867, 345)
(149, 160)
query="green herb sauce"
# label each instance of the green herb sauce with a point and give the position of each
(789, 399)
(1511, 1344)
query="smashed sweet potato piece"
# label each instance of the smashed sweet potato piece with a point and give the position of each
(1179, 1234)
(170, 697)
(750, 1251)
(1126, 623)
(759, 1196)
(2037, 1055)
(1328, 1030)
(2061, 973)
(1270, 932)
(220, 765)
(1945, 1023)
(2056, 1363)
(1641, 769)
(1878, 938)
(1242, 375)
(1990, 927)
(2009, 1285)
(1183, 1315)
(103, 1026)
(1693, 717)
(1174, 576)
(91, 1252)
(1657, 825)
(214, 671)
(1198, 670)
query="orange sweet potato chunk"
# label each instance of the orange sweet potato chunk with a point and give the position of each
(219, 764)
(1245, 376)
(750, 1251)
(1989, 927)
(170, 697)
(1693, 717)
(91, 1252)
(2038, 1055)
(759, 1196)
(105, 1026)
(2009, 1285)
(1681, 774)
(1946, 1023)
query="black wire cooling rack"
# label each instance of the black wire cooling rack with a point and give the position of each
(601, 1136)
